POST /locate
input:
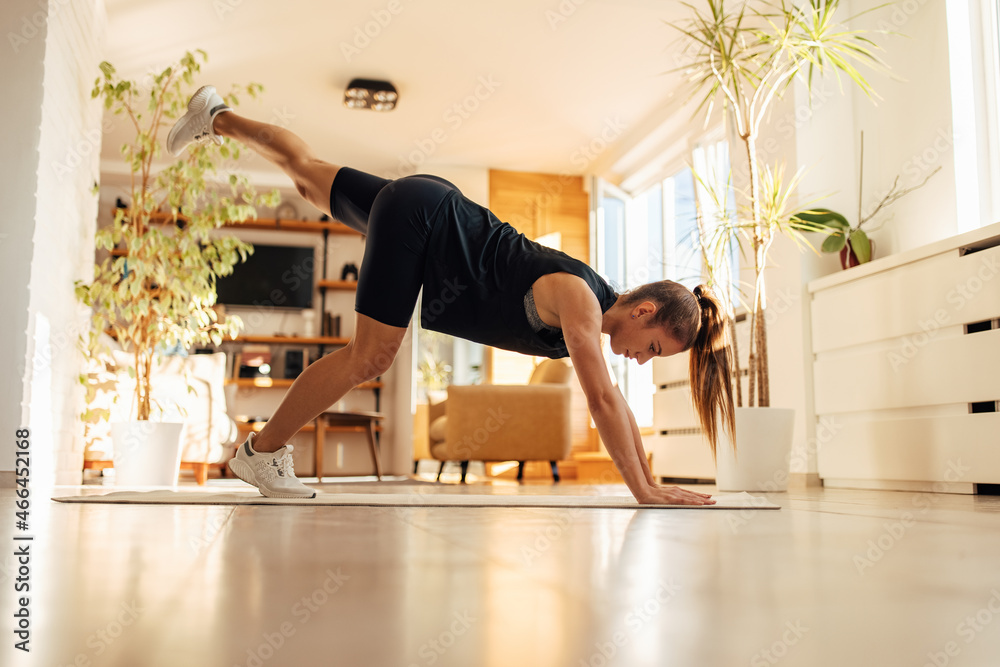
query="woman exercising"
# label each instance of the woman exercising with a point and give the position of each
(482, 281)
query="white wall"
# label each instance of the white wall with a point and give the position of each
(65, 221)
(910, 132)
(51, 142)
(21, 61)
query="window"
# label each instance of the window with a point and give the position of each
(611, 239)
(681, 217)
(717, 202)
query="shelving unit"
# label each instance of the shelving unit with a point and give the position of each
(322, 284)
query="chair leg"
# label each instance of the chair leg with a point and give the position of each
(416, 464)
(465, 469)
(520, 471)
(555, 471)
(440, 470)
(201, 473)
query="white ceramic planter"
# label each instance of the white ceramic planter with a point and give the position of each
(764, 446)
(146, 453)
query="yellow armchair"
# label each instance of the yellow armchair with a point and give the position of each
(506, 422)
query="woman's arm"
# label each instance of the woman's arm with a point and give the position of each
(640, 452)
(580, 319)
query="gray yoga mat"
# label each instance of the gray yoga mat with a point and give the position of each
(741, 500)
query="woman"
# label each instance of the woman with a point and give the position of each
(482, 281)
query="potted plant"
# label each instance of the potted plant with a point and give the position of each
(744, 58)
(156, 290)
(851, 241)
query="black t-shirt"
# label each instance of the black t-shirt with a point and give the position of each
(477, 272)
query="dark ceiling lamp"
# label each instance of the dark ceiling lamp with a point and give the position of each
(370, 94)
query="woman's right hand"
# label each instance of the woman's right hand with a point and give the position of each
(655, 494)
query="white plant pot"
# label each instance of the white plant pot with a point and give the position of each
(764, 447)
(146, 453)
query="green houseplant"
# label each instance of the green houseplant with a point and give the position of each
(156, 290)
(745, 55)
(848, 240)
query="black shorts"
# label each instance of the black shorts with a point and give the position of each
(397, 217)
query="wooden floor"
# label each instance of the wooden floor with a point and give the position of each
(837, 577)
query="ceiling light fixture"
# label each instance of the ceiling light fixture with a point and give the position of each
(370, 94)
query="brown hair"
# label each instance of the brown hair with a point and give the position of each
(696, 321)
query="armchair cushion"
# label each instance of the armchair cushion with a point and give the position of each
(552, 371)
(438, 430)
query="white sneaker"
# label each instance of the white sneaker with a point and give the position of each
(196, 124)
(271, 472)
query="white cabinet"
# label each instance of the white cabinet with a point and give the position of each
(906, 366)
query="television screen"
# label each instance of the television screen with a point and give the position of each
(272, 277)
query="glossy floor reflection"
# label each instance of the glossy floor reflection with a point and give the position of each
(836, 577)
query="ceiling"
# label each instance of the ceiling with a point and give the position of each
(560, 86)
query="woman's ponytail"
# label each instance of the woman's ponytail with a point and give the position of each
(711, 375)
(698, 322)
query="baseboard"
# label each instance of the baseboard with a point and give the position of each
(806, 479)
(900, 485)
(7, 479)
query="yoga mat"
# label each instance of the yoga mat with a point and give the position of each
(741, 500)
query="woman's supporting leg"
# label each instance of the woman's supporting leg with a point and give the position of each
(313, 177)
(374, 345)
(324, 382)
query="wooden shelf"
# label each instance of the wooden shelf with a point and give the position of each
(246, 427)
(291, 340)
(274, 224)
(295, 226)
(337, 284)
(264, 383)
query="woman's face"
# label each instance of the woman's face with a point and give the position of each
(637, 341)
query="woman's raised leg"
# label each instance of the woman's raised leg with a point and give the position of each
(313, 177)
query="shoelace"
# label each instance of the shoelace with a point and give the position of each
(285, 463)
(279, 466)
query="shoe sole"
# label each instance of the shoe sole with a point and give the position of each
(185, 119)
(245, 473)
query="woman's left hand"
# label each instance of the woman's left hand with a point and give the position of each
(655, 494)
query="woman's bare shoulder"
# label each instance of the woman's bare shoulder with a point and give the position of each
(560, 294)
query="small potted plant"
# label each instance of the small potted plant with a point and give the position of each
(851, 241)
(746, 53)
(156, 290)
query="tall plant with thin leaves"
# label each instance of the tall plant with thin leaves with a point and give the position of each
(157, 287)
(745, 55)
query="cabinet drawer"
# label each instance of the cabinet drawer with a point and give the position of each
(941, 290)
(959, 369)
(673, 409)
(954, 448)
(681, 456)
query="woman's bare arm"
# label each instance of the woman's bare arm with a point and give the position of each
(639, 450)
(580, 319)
